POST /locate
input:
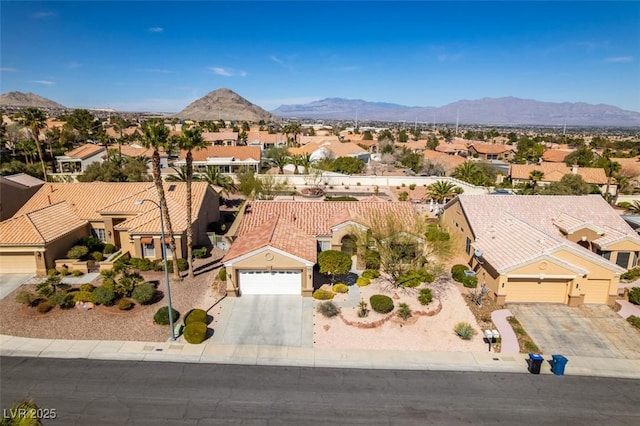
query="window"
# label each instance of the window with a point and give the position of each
(169, 252)
(622, 259)
(100, 234)
(148, 250)
(468, 246)
(325, 245)
(605, 254)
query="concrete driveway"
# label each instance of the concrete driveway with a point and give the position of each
(274, 320)
(9, 282)
(591, 330)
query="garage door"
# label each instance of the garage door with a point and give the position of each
(270, 282)
(531, 292)
(595, 291)
(17, 263)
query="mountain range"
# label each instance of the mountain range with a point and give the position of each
(489, 111)
(22, 100)
(224, 104)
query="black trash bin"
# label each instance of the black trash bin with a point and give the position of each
(535, 362)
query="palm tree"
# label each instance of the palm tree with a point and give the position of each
(467, 172)
(181, 176)
(442, 189)
(306, 163)
(120, 125)
(280, 161)
(155, 135)
(535, 176)
(296, 160)
(191, 139)
(34, 119)
(634, 208)
(213, 176)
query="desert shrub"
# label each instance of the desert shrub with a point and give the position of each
(77, 252)
(412, 186)
(141, 264)
(340, 288)
(631, 275)
(222, 274)
(371, 274)
(363, 309)
(404, 311)
(195, 315)
(381, 303)
(162, 316)
(109, 248)
(435, 233)
(634, 295)
(470, 282)
(195, 332)
(97, 256)
(81, 296)
(86, 287)
(634, 321)
(464, 330)
(328, 309)
(457, 272)
(200, 253)
(372, 259)
(414, 278)
(91, 243)
(182, 265)
(25, 297)
(52, 272)
(143, 293)
(77, 273)
(64, 271)
(62, 299)
(403, 196)
(363, 282)
(321, 294)
(124, 286)
(425, 297)
(125, 304)
(44, 307)
(103, 295)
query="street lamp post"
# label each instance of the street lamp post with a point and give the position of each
(164, 259)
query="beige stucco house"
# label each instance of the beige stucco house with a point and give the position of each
(554, 172)
(277, 242)
(59, 214)
(554, 249)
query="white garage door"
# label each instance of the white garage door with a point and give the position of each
(536, 292)
(270, 282)
(17, 263)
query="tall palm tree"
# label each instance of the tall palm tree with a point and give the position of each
(190, 139)
(155, 135)
(467, 172)
(442, 189)
(306, 163)
(120, 124)
(213, 176)
(296, 160)
(34, 119)
(280, 161)
(535, 176)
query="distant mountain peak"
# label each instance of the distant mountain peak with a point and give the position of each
(23, 100)
(224, 104)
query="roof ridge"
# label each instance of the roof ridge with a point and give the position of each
(34, 226)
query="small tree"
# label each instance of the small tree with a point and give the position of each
(334, 262)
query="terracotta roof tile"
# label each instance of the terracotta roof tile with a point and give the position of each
(553, 172)
(85, 151)
(23, 179)
(556, 155)
(490, 148)
(219, 136)
(238, 152)
(40, 226)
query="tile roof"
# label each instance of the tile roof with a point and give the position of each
(449, 162)
(22, 179)
(40, 226)
(490, 148)
(280, 233)
(265, 137)
(237, 152)
(219, 136)
(556, 155)
(135, 150)
(553, 172)
(85, 151)
(318, 140)
(452, 147)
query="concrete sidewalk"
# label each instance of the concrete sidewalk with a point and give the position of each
(306, 357)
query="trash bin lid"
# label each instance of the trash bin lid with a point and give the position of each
(559, 357)
(536, 357)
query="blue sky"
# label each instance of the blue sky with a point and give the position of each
(160, 56)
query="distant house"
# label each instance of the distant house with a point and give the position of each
(552, 249)
(137, 151)
(554, 172)
(15, 190)
(265, 140)
(59, 214)
(230, 159)
(221, 138)
(448, 162)
(489, 151)
(321, 149)
(453, 149)
(77, 160)
(556, 155)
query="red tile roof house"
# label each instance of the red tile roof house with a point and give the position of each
(551, 249)
(277, 242)
(553, 172)
(229, 159)
(77, 160)
(59, 214)
(221, 138)
(265, 140)
(489, 151)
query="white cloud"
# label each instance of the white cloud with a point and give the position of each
(43, 15)
(228, 72)
(618, 59)
(6, 69)
(73, 65)
(156, 29)
(46, 82)
(276, 59)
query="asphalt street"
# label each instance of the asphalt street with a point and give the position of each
(94, 392)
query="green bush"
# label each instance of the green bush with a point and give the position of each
(195, 332)
(77, 273)
(404, 311)
(425, 297)
(321, 294)
(634, 321)
(103, 296)
(91, 243)
(403, 196)
(634, 295)
(371, 273)
(141, 264)
(143, 293)
(125, 304)
(464, 330)
(371, 259)
(81, 296)
(162, 316)
(412, 186)
(200, 253)
(457, 272)
(381, 303)
(196, 315)
(109, 248)
(97, 256)
(25, 297)
(62, 299)
(631, 275)
(44, 307)
(363, 281)
(183, 265)
(435, 233)
(86, 287)
(77, 252)
(64, 271)
(470, 282)
(52, 272)
(340, 288)
(328, 309)
(222, 274)
(414, 278)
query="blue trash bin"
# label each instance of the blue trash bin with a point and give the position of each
(558, 364)
(535, 362)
